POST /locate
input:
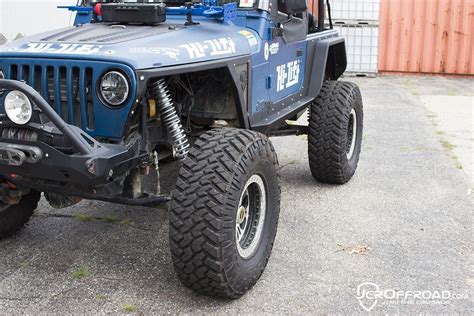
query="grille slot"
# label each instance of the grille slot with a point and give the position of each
(69, 90)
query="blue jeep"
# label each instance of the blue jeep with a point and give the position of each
(96, 110)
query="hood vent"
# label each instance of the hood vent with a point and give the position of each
(106, 33)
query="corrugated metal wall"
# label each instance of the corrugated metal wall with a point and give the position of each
(427, 36)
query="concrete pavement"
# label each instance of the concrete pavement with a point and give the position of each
(403, 223)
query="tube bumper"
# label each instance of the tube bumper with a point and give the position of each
(92, 163)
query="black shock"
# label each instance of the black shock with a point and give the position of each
(159, 91)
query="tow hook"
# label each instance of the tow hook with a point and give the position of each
(12, 157)
(16, 155)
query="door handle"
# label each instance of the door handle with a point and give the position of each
(299, 52)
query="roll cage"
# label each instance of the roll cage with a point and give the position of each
(316, 8)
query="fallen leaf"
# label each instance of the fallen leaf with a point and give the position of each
(341, 248)
(360, 250)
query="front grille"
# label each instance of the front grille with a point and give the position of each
(68, 89)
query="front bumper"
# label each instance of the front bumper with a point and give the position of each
(44, 167)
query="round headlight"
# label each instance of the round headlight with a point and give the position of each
(18, 107)
(114, 88)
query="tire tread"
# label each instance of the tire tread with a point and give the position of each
(197, 234)
(327, 132)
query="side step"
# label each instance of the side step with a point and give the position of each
(291, 130)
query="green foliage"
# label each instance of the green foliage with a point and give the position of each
(81, 273)
(129, 308)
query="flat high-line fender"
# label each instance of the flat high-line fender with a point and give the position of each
(327, 58)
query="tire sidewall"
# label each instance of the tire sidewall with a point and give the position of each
(249, 269)
(203, 239)
(354, 104)
(13, 217)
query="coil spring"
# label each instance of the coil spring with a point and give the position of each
(159, 91)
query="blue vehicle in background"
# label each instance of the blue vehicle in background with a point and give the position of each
(100, 109)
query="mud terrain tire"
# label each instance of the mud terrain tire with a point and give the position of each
(335, 116)
(225, 168)
(14, 217)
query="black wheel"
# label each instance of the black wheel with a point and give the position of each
(335, 132)
(224, 212)
(14, 217)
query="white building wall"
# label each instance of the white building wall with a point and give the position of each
(29, 17)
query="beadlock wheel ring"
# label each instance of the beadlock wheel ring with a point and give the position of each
(250, 216)
(351, 134)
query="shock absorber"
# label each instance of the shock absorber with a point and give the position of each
(159, 91)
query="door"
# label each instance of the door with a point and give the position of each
(287, 54)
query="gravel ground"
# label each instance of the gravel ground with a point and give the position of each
(403, 223)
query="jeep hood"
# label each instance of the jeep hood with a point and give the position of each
(138, 46)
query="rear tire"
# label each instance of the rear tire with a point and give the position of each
(335, 132)
(14, 217)
(224, 212)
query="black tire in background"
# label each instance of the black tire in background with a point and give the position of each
(214, 251)
(14, 217)
(335, 132)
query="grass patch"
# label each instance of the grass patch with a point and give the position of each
(102, 298)
(452, 93)
(24, 264)
(447, 145)
(405, 148)
(458, 164)
(449, 149)
(83, 217)
(89, 218)
(129, 308)
(81, 273)
(127, 221)
(407, 82)
(111, 219)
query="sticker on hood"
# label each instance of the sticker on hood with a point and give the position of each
(214, 47)
(171, 53)
(250, 37)
(53, 48)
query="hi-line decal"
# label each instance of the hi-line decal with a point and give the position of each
(214, 47)
(53, 48)
(288, 74)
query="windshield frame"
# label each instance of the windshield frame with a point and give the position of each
(263, 5)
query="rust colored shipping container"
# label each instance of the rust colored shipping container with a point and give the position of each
(427, 36)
